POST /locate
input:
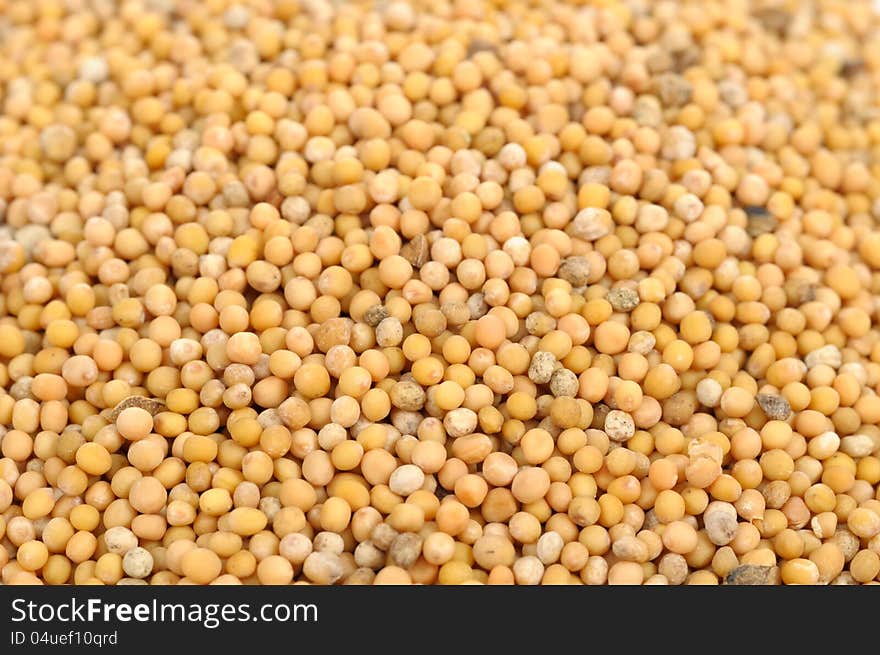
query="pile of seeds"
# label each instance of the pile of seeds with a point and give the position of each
(441, 291)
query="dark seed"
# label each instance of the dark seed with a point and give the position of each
(775, 407)
(852, 67)
(750, 575)
(755, 210)
(480, 45)
(623, 299)
(759, 224)
(575, 270)
(152, 405)
(375, 315)
(416, 251)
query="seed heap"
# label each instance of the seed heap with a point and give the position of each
(449, 291)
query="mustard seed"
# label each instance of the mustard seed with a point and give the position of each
(376, 306)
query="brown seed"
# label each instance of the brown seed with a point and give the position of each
(416, 251)
(775, 407)
(752, 575)
(623, 299)
(575, 270)
(152, 405)
(375, 315)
